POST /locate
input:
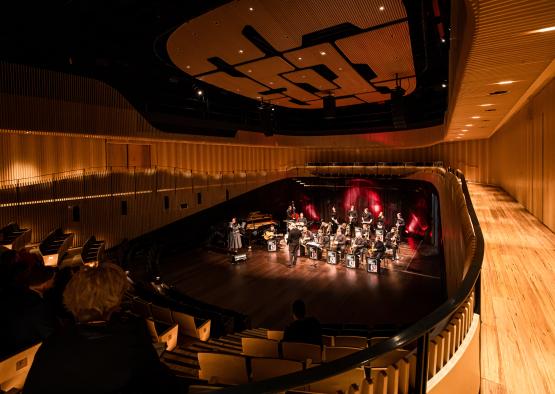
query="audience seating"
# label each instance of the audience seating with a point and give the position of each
(92, 251)
(13, 237)
(259, 347)
(334, 352)
(223, 368)
(301, 352)
(275, 335)
(266, 368)
(339, 383)
(350, 341)
(328, 340)
(54, 246)
(163, 332)
(14, 370)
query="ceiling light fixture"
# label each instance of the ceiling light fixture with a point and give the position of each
(504, 82)
(443, 40)
(382, 8)
(323, 53)
(187, 67)
(543, 30)
(251, 9)
(241, 51)
(249, 70)
(465, 130)
(476, 117)
(485, 105)
(200, 92)
(443, 85)
(468, 125)
(299, 58)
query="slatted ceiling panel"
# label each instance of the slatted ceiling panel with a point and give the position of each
(350, 81)
(311, 77)
(243, 86)
(501, 50)
(348, 101)
(373, 97)
(387, 51)
(266, 69)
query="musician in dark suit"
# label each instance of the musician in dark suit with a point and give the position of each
(293, 240)
(290, 213)
(306, 237)
(234, 235)
(379, 252)
(353, 218)
(392, 240)
(367, 217)
(302, 219)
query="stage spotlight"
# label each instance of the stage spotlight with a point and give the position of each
(329, 106)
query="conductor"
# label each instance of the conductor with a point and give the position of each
(293, 242)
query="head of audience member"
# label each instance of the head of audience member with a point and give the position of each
(16, 267)
(233, 220)
(338, 232)
(299, 310)
(40, 279)
(93, 294)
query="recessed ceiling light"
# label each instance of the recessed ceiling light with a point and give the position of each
(259, 97)
(249, 70)
(382, 8)
(543, 30)
(299, 58)
(443, 40)
(468, 125)
(271, 83)
(475, 117)
(187, 67)
(485, 105)
(241, 51)
(465, 130)
(504, 82)
(323, 53)
(340, 68)
(458, 136)
(443, 85)
(251, 8)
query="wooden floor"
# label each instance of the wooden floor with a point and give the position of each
(264, 288)
(518, 296)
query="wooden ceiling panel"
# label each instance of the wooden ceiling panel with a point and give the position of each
(387, 51)
(311, 77)
(373, 97)
(284, 22)
(502, 49)
(349, 80)
(243, 86)
(286, 103)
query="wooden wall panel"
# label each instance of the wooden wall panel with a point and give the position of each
(521, 155)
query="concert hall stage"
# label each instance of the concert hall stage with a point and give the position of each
(264, 288)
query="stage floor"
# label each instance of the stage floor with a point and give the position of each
(264, 288)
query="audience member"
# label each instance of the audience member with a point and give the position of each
(27, 318)
(303, 329)
(104, 352)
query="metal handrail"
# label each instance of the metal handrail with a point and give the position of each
(417, 331)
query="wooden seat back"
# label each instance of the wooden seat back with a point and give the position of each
(351, 341)
(219, 368)
(260, 347)
(301, 352)
(14, 370)
(266, 368)
(332, 353)
(275, 335)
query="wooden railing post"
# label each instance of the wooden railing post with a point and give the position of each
(422, 364)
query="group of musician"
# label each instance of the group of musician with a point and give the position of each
(367, 236)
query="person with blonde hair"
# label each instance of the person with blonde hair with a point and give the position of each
(105, 351)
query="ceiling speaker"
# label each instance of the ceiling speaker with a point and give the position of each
(329, 106)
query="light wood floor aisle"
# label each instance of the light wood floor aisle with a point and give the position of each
(518, 296)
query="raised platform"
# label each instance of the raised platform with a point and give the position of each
(264, 288)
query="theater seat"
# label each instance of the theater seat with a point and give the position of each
(351, 341)
(275, 335)
(14, 370)
(266, 368)
(332, 353)
(190, 327)
(301, 352)
(339, 383)
(260, 347)
(163, 332)
(219, 368)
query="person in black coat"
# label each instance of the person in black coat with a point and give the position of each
(103, 352)
(293, 241)
(303, 329)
